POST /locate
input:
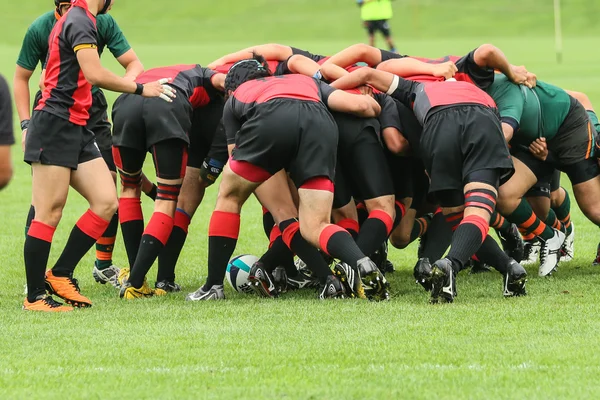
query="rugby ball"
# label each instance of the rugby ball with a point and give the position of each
(238, 269)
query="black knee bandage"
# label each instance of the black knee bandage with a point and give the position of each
(481, 198)
(167, 192)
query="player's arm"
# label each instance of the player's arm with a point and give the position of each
(489, 56)
(357, 104)
(354, 54)
(410, 67)
(21, 92)
(6, 134)
(391, 126)
(97, 75)
(271, 51)
(132, 64)
(218, 81)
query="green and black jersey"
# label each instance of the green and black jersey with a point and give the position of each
(35, 44)
(538, 112)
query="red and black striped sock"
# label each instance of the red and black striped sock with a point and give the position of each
(153, 240)
(167, 259)
(338, 243)
(36, 252)
(420, 227)
(223, 232)
(106, 244)
(374, 231)
(400, 213)
(132, 225)
(84, 234)
(308, 253)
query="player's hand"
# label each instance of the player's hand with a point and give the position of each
(519, 75)
(446, 69)
(23, 139)
(539, 149)
(366, 90)
(531, 80)
(159, 89)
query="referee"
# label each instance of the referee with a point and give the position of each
(375, 15)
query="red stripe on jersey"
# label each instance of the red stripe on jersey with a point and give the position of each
(171, 72)
(456, 92)
(287, 86)
(199, 98)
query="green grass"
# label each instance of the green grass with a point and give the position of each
(482, 346)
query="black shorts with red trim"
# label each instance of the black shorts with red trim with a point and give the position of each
(575, 138)
(207, 131)
(169, 157)
(361, 157)
(142, 122)
(462, 139)
(409, 177)
(52, 140)
(296, 135)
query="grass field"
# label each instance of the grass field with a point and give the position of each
(482, 346)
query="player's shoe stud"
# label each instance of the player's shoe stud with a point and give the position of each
(45, 303)
(443, 286)
(107, 275)
(215, 292)
(67, 288)
(514, 280)
(331, 289)
(261, 282)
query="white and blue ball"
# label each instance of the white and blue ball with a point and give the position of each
(238, 270)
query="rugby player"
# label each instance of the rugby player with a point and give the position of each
(457, 116)
(259, 150)
(63, 152)
(33, 52)
(161, 128)
(7, 137)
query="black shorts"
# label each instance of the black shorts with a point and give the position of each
(380, 25)
(52, 140)
(142, 122)
(409, 177)
(206, 125)
(462, 139)
(99, 123)
(361, 157)
(298, 136)
(574, 141)
(545, 185)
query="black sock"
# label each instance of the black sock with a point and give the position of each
(307, 252)
(268, 222)
(362, 213)
(439, 236)
(36, 252)
(491, 254)
(132, 232)
(339, 244)
(374, 231)
(466, 240)
(167, 259)
(30, 217)
(277, 254)
(78, 244)
(150, 247)
(220, 249)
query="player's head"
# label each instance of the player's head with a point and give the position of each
(62, 6)
(246, 70)
(106, 5)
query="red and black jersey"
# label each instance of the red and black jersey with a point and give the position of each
(251, 94)
(425, 97)
(67, 93)
(191, 81)
(224, 68)
(468, 70)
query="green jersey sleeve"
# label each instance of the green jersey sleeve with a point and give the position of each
(35, 44)
(111, 36)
